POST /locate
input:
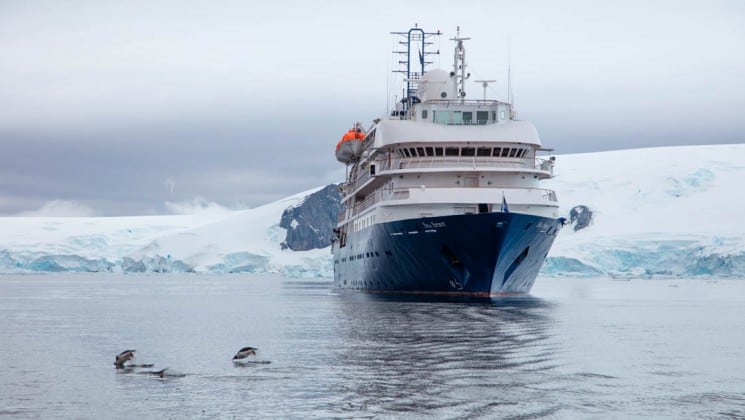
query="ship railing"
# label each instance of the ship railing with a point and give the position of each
(550, 195)
(364, 174)
(402, 193)
(368, 201)
(475, 162)
(458, 104)
(362, 177)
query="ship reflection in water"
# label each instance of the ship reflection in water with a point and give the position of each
(410, 353)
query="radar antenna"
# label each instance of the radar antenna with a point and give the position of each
(485, 84)
(416, 50)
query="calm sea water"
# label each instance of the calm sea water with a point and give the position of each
(575, 348)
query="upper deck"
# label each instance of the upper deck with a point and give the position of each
(394, 131)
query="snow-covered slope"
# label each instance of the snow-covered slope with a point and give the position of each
(672, 211)
(660, 211)
(239, 241)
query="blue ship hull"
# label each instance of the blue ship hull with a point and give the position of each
(472, 255)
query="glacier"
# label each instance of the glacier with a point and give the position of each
(656, 212)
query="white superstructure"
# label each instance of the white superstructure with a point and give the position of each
(441, 154)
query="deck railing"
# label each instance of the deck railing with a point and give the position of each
(388, 194)
(472, 162)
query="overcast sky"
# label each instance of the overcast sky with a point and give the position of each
(125, 108)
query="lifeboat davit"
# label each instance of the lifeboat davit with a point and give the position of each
(349, 147)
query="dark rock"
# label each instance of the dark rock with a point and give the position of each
(310, 225)
(581, 215)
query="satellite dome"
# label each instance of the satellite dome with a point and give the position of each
(433, 84)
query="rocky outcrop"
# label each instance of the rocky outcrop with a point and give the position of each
(580, 216)
(310, 224)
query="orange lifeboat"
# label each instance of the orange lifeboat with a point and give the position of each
(349, 148)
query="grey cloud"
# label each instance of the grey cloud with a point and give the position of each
(122, 107)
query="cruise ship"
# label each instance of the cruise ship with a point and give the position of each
(442, 194)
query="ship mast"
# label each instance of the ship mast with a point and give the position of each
(416, 50)
(459, 66)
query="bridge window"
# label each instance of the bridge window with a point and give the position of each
(497, 151)
(424, 114)
(451, 151)
(482, 117)
(430, 151)
(467, 117)
(420, 151)
(467, 151)
(406, 152)
(513, 152)
(412, 151)
(483, 151)
(505, 151)
(438, 151)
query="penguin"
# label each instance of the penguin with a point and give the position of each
(244, 353)
(123, 357)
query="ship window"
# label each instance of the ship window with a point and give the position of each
(438, 151)
(482, 117)
(497, 151)
(420, 151)
(467, 117)
(505, 152)
(467, 151)
(501, 115)
(424, 114)
(457, 118)
(406, 152)
(494, 115)
(412, 150)
(483, 151)
(451, 151)
(442, 117)
(513, 152)
(430, 151)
